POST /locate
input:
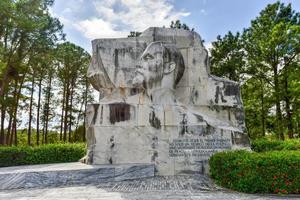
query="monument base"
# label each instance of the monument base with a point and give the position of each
(175, 139)
(52, 175)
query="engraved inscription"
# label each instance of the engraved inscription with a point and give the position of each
(197, 147)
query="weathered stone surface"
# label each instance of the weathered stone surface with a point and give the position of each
(69, 174)
(159, 104)
(157, 188)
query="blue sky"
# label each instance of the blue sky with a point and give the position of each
(85, 20)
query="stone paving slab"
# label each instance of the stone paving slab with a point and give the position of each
(173, 183)
(166, 188)
(94, 193)
(54, 175)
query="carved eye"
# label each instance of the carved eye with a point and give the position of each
(148, 57)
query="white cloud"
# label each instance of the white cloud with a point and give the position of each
(96, 28)
(67, 10)
(64, 20)
(117, 17)
(208, 46)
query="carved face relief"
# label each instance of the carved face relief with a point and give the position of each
(161, 66)
(150, 70)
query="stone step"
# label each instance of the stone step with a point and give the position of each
(53, 175)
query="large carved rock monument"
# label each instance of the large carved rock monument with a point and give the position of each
(159, 103)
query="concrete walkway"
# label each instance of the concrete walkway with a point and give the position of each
(167, 188)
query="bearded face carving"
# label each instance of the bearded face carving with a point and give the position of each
(158, 61)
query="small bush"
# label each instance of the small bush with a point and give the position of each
(250, 172)
(266, 145)
(51, 153)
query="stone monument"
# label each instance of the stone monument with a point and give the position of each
(159, 103)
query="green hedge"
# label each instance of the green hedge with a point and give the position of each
(266, 145)
(51, 153)
(250, 172)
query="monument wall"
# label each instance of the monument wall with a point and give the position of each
(159, 104)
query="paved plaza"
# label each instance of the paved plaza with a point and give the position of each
(167, 187)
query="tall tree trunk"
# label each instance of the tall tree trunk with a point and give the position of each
(47, 109)
(79, 116)
(62, 114)
(4, 107)
(2, 121)
(38, 114)
(30, 112)
(8, 133)
(46, 128)
(77, 121)
(14, 134)
(277, 103)
(3, 112)
(85, 105)
(14, 127)
(70, 109)
(4, 83)
(288, 105)
(15, 112)
(43, 131)
(66, 112)
(263, 119)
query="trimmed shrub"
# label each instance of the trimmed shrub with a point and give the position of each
(50, 153)
(250, 172)
(266, 145)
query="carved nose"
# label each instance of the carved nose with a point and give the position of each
(138, 69)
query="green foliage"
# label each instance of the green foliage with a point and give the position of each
(257, 100)
(51, 153)
(52, 137)
(269, 172)
(78, 135)
(272, 46)
(72, 74)
(264, 58)
(35, 65)
(177, 24)
(227, 56)
(134, 34)
(262, 145)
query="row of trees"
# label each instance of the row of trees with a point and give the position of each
(42, 77)
(265, 59)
